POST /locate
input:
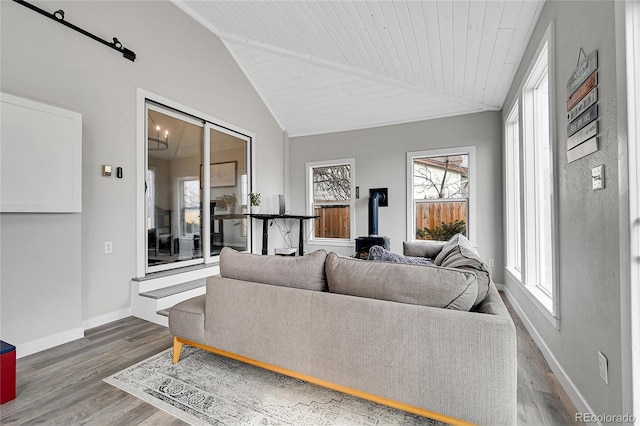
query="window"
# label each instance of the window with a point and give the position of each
(531, 225)
(512, 184)
(330, 189)
(196, 181)
(190, 207)
(439, 186)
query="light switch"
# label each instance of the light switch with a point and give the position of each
(597, 177)
(106, 170)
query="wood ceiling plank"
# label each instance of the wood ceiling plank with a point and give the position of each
(370, 52)
(401, 40)
(445, 26)
(527, 19)
(352, 37)
(414, 9)
(430, 17)
(503, 40)
(474, 40)
(460, 11)
(331, 37)
(374, 20)
(510, 14)
(493, 13)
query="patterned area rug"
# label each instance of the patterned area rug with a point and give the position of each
(205, 388)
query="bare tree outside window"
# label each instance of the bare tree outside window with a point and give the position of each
(441, 177)
(332, 183)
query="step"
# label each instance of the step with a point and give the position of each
(157, 280)
(174, 289)
(154, 294)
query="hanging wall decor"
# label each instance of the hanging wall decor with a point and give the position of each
(582, 108)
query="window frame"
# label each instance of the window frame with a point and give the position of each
(471, 203)
(546, 301)
(312, 239)
(513, 192)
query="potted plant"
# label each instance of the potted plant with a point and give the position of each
(254, 201)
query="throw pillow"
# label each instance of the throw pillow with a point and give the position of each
(459, 253)
(413, 284)
(382, 254)
(306, 272)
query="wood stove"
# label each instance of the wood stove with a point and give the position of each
(377, 197)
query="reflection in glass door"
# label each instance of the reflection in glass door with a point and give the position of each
(173, 189)
(228, 190)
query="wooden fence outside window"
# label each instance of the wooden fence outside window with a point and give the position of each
(430, 214)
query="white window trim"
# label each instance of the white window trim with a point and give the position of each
(510, 170)
(548, 306)
(471, 208)
(142, 96)
(343, 242)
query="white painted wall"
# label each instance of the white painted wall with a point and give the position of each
(43, 60)
(380, 161)
(588, 221)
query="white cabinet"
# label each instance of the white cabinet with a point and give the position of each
(40, 157)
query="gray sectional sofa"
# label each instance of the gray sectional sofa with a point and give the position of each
(420, 338)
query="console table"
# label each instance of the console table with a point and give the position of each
(265, 228)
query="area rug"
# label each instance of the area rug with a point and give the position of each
(205, 388)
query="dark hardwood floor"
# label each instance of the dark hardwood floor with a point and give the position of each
(64, 385)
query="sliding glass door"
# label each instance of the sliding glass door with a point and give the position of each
(228, 189)
(178, 184)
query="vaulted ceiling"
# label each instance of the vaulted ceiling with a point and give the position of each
(326, 66)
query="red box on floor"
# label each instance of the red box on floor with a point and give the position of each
(7, 372)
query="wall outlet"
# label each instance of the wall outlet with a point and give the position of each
(491, 263)
(603, 366)
(108, 247)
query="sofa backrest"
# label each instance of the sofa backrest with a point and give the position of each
(305, 272)
(414, 284)
(428, 249)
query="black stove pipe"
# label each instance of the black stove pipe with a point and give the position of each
(374, 201)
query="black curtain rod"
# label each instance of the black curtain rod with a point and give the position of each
(58, 16)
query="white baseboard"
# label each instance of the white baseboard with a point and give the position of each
(582, 406)
(94, 322)
(48, 342)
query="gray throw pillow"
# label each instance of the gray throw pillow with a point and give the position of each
(382, 254)
(413, 284)
(306, 272)
(459, 253)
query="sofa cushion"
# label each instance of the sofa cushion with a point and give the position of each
(413, 284)
(305, 272)
(428, 249)
(384, 255)
(459, 253)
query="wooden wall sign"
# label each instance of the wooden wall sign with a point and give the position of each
(586, 133)
(582, 108)
(590, 99)
(582, 91)
(585, 118)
